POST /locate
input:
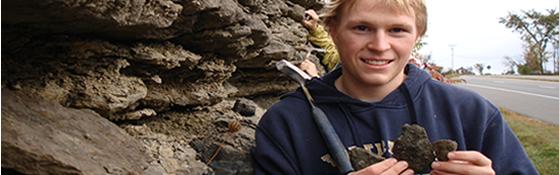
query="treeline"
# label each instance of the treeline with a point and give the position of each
(540, 33)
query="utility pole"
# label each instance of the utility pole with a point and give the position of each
(452, 54)
(555, 56)
(555, 63)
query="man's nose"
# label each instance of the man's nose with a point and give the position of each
(378, 42)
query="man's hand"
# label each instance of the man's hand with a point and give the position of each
(463, 162)
(309, 67)
(312, 21)
(386, 167)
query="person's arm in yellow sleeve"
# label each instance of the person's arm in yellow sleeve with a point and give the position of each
(320, 37)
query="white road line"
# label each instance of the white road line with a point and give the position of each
(514, 91)
(548, 87)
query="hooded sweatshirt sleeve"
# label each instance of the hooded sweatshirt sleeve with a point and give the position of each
(271, 156)
(320, 37)
(504, 149)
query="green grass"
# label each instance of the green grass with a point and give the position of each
(540, 139)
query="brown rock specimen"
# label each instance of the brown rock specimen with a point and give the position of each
(362, 158)
(414, 147)
(443, 147)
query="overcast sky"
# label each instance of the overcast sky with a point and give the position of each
(473, 27)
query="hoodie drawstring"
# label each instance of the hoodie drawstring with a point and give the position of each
(409, 103)
(357, 139)
(351, 124)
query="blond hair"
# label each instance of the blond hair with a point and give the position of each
(335, 7)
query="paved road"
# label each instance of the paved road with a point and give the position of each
(537, 99)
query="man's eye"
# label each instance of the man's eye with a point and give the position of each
(361, 28)
(397, 30)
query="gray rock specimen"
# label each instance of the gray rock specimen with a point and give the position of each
(361, 158)
(414, 147)
(443, 147)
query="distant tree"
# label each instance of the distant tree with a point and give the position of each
(538, 30)
(523, 69)
(532, 64)
(479, 67)
(511, 64)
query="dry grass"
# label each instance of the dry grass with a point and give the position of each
(540, 139)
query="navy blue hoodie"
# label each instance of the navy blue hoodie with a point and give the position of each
(288, 140)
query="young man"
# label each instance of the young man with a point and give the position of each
(374, 94)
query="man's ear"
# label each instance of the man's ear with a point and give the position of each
(332, 29)
(418, 39)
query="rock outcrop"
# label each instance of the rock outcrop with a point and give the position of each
(165, 71)
(42, 137)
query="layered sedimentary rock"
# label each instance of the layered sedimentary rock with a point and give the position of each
(165, 71)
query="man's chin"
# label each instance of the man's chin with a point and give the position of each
(375, 80)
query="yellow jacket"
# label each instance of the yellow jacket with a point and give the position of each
(320, 37)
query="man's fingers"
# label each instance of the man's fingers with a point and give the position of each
(308, 13)
(397, 168)
(435, 172)
(310, 24)
(312, 14)
(379, 167)
(459, 162)
(473, 157)
(307, 63)
(408, 172)
(459, 168)
(309, 67)
(387, 167)
(463, 162)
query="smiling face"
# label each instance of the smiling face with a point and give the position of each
(374, 42)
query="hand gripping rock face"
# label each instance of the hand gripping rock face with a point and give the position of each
(414, 147)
